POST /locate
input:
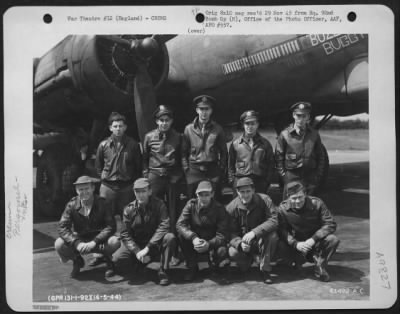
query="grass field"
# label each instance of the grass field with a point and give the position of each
(357, 139)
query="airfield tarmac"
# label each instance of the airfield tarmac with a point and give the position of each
(346, 194)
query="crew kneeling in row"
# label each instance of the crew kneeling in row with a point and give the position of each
(306, 229)
(86, 226)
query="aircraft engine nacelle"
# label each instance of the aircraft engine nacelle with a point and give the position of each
(92, 76)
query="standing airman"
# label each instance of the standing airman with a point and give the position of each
(299, 154)
(251, 155)
(204, 152)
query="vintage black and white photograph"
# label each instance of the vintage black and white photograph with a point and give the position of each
(229, 168)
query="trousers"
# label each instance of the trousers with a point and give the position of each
(264, 248)
(124, 258)
(68, 252)
(216, 255)
(320, 253)
(119, 198)
(165, 188)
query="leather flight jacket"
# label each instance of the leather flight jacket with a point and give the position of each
(204, 149)
(260, 216)
(144, 226)
(161, 153)
(294, 151)
(245, 160)
(119, 164)
(210, 223)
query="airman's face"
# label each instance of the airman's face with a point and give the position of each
(164, 123)
(205, 198)
(143, 195)
(245, 194)
(118, 128)
(301, 119)
(204, 113)
(85, 191)
(250, 127)
(297, 200)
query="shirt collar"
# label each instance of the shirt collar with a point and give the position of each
(301, 210)
(78, 205)
(249, 207)
(292, 129)
(243, 138)
(111, 139)
(208, 125)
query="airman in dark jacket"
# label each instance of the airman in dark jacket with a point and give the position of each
(299, 154)
(306, 228)
(202, 228)
(118, 164)
(146, 231)
(204, 152)
(86, 226)
(253, 225)
(162, 160)
(251, 155)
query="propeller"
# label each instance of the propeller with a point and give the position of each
(144, 92)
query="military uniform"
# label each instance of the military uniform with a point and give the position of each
(204, 152)
(300, 156)
(313, 220)
(255, 161)
(76, 226)
(118, 165)
(143, 227)
(260, 217)
(208, 223)
(162, 163)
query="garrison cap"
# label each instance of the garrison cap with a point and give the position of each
(249, 115)
(141, 183)
(204, 100)
(244, 182)
(163, 110)
(204, 186)
(294, 187)
(86, 179)
(301, 107)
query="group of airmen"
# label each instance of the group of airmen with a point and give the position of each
(141, 185)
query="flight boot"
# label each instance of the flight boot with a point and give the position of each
(78, 263)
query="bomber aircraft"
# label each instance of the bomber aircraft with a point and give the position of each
(79, 82)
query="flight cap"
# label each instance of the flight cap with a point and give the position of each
(204, 186)
(163, 110)
(294, 188)
(86, 179)
(141, 183)
(204, 100)
(244, 182)
(301, 107)
(249, 115)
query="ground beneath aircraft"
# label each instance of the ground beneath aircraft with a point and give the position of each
(346, 194)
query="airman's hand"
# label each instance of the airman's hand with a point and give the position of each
(248, 237)
(245, 247)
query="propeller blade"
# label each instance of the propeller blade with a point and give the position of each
(145, 101)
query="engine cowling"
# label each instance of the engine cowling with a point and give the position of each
(90, 76)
